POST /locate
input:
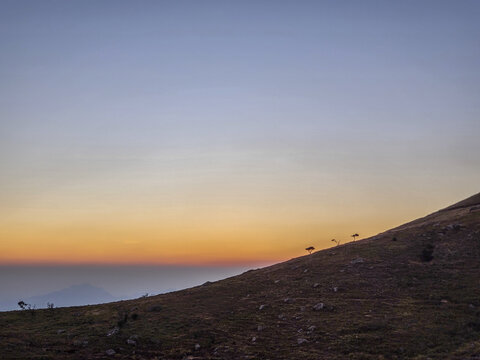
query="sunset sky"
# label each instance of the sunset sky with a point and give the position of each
(229, 133)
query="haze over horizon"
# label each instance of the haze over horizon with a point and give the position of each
(229, 133)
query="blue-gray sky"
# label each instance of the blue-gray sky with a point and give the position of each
(241, 130)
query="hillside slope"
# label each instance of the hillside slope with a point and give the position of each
(409, 293)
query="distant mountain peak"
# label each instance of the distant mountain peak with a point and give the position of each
(75, 295)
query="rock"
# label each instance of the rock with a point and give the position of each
(475, 208)
(316, 285)
(261, 307)
(197, 347)
(302, 308)
(260, 328)
(335, 289)
(443, 301)
(305, 271)
(312, 328)
(131, 342)
(206, 283)
(61, 331)
(301, 341)
(154, 308)
(254, 339)
(318, 306)
(110, 352)
(134, 337)
(276, 281)
(357, 260)
(471, 306)
(288, 300)
(455, 227)
(282, 317)
(112, 332)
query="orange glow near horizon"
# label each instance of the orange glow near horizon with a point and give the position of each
(240, 237)
(198, 217)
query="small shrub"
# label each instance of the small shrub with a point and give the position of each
(427, 253)
(123, 320)
(27, 307)
(23, 305)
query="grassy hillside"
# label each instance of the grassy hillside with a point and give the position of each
(409, 293)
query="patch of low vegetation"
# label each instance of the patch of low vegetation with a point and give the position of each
(427, 253)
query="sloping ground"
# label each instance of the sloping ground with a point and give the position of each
(409, 293)
(468, 202)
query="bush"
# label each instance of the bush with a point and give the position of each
(27, 307)
(427, 253)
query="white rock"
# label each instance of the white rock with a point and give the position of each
(113, 331)
(357, 260)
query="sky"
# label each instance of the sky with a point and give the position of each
(229, 133)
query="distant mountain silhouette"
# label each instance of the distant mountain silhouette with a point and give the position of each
(83, 294)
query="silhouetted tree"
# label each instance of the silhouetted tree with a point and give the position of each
(354, 236)
(310, 249)
(336, 241)
(22, 304)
